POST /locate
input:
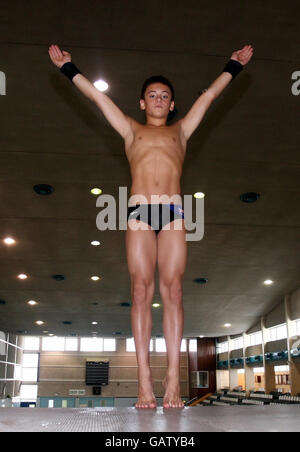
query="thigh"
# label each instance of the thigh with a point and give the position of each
(141, 250)
(172, 253)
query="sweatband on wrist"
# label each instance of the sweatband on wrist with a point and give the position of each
(70, 70)
(233, 67)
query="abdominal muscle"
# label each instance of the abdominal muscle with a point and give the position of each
(156, 158)
(154, 181)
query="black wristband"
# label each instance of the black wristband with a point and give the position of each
(70, 70)
(233, 67)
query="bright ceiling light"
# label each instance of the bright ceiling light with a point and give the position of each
(9, 241)
(227, 325)
(96, 191)
(95, 243)
(32, 302)
(95, 278)
(22, 276)
(156, 305)
(199, 195)
(94, 323)
(40, 322)
(268, 282)
(101, 85)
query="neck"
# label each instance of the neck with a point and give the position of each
(158, 122)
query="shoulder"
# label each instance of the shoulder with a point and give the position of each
(134, 125)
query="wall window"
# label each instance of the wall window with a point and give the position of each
(282, 368)
(31, 343)
(30, 367)
(278, 332)
(28, 393)
(193, 345)
(237, 343)
(71, 344)
(130, 345)
(160, 345)
(109, 345)
(222, 347)
(53, 344)
(183, 346)
(256, 338)
(94, 344)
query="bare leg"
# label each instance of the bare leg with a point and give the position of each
(172, 251)
(141, 257)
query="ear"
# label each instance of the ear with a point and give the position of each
(172, 106)
(142, 104)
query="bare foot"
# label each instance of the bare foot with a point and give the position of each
(146, 398)
(172, 397)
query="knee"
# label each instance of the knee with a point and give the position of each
(141, 289)
(171, 290)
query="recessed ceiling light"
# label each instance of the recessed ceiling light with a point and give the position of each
(201, 337)
(101, 85)
(201, 280)
(51, 334)
(249, 197)
(95, 243)
(268, 282)
(40, 322)
(43, 189)
(199, 195)
(156, 305)
(227, 325)
(22, 276)
(58, 277)
(45, 332)
(32, 302)
(96, 191)
(95, 278)
(9, 241)
(94, 323)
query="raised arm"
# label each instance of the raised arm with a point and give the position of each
(193, 118)
(117, 119)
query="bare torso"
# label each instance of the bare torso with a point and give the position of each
(156, 155)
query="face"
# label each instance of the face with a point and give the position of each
(157, 101)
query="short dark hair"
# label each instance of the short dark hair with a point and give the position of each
(157, 79)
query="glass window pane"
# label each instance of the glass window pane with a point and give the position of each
(31, 343)
(193, 345)
(53, 344)
(160, 345)
(28, 393)
(183, 345)
(29, 374)
(94, 344)
(130, 346)
(30, 360)
(71, 344)
(109, 345)
(18, 372)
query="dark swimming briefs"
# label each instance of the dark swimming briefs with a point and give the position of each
(156, 215)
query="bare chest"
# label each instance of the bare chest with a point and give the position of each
(165, 142)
